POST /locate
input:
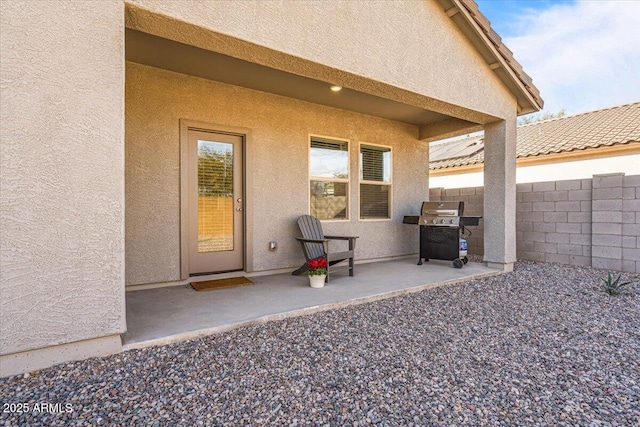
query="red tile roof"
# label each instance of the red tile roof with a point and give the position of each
(594, 129)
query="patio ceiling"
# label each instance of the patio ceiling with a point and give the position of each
(155, 51)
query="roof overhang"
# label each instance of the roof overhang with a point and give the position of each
(166, 43)
(166, 54)
(499, 58)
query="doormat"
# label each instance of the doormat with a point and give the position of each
(221, 283)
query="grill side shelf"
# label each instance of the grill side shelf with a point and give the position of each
(469, 221)
(411, 219)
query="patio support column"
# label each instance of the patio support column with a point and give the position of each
(500, 194)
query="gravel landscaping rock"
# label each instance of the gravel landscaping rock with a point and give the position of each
(544, 345)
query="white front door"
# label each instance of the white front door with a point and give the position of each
(215, 202)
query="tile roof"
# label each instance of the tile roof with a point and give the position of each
(593, 129)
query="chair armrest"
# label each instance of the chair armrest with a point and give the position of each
(351, 239)
(301, 239)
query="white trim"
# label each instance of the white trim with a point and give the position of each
(389, 184)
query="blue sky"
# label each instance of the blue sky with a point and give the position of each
(583, 55)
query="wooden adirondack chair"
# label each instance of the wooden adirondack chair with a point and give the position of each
(315, 245)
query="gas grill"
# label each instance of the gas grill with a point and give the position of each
(442, 225)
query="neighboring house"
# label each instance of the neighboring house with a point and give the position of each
(147, 141)
(572, 147)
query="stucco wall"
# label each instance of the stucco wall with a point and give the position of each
(62, 180)
(411, 45)
(278, 168)
(561, 171)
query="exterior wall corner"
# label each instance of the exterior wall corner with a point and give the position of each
(62, 130)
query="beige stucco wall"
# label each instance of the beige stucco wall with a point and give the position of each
(62, 178)
(278, 168)
(410, 44)
(62, 150)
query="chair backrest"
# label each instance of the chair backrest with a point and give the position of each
(311, 228)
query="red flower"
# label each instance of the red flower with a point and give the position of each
(317, 266)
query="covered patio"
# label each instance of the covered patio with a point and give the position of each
(172, 314)
(123, 211)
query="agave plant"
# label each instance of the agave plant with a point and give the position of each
(614, 286)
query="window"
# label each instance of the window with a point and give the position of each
(329, 178)
(375, 182)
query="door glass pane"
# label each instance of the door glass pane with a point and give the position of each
(215, 196)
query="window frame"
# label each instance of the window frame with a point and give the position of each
(367, 182)
(329, 179)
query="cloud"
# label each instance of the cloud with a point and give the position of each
(582, 56)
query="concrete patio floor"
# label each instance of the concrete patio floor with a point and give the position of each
(171, 314)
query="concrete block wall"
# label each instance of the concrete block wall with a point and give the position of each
(631, 223)
(593, 222)
(616, 222)
(553, 221)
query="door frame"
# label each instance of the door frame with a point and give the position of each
(185, 126)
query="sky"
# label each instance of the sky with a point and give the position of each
(582, 55)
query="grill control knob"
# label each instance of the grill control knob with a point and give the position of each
(442, 221)
(451, 221)
(435, 221)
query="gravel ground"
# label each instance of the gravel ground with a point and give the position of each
(544, 345)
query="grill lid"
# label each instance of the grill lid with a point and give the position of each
(442, 208)
(442, 214)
